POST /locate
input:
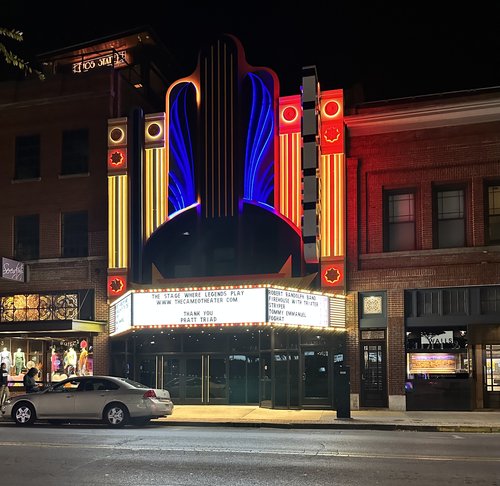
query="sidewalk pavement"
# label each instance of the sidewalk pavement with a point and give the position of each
(378, 419)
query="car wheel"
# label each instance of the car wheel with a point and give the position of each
(141, 421)
(24, 414)
(116, 415)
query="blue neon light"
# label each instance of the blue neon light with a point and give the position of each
(181, 171)
(259, 173)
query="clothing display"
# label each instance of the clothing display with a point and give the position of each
(6, 357)
(82, 361)
(19, 361)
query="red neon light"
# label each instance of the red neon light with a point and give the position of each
(117, 158)
(117, 285)
(289, 114)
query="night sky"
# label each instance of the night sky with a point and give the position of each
(413, 49)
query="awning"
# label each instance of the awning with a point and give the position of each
(54, 326)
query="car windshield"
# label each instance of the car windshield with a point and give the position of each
(135, 384)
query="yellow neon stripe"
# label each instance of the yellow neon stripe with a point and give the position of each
(281, 188)
(111, 223)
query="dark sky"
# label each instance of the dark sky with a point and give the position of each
(413, 49)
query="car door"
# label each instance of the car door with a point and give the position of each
(91, 397)
(58, 401)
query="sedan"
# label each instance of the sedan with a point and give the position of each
(113, 400)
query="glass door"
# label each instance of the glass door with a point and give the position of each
(373, 375)
(492, 376)
(204, 380)
(315, 377)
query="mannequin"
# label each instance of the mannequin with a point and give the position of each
(54, 360)
(19, 360)
(82, 361)
(6, 357)
(71, 361)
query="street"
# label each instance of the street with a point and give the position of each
(181, 456)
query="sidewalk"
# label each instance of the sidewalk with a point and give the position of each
(251, 416)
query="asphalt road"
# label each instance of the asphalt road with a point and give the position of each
(73, 455)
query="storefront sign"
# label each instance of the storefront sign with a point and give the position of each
(436, 340)
(297, 308)
(12, 270)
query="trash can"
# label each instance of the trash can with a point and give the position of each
(342, 391)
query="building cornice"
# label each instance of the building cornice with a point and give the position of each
(444, 114)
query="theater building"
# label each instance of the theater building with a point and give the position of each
(53, 243)
(226, 285)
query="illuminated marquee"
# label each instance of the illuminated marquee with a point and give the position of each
(226, 306)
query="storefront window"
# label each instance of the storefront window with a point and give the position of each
(437, 353)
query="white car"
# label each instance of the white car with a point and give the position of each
(116, 401)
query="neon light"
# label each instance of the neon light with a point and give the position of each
(155, 190)
(258, 179)
(181, 165)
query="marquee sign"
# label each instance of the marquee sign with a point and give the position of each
(225, 307)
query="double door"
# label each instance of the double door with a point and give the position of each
(196, 380)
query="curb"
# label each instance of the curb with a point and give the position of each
(339, 426)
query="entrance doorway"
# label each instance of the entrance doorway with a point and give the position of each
(198, 379)
(373, 392)
(315, 377)
(491, 374)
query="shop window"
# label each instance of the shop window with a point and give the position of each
(450, 218)
(399, 221)
(492, 367)
(75, 152)
(26, 237)
(27, 165)
(490, 300)
(493, 214)
(75, 234)
(437, 353)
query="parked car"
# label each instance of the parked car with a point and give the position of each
(113, 400)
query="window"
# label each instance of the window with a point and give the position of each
(75, 152)
(75, 234)
(450, 216)
(399, 221)
(26, 237)
(493, 214)
(27, 157)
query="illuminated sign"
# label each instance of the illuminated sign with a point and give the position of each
(112, 59)
(123, 314)
(228, 306)
(297, 308)
(12, 270)
(117, 285)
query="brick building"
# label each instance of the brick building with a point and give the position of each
(53, 152)
(423, 185)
